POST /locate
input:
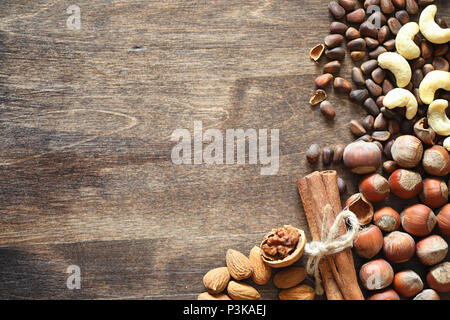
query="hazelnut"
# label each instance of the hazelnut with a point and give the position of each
(424, 132)
(431, 250)
(374, 187)
(387, 219)
(407, 283)
(405, 184)
(389, 166)
(362, 157)
(418, 220)
(434, 193)
(439, 277)
(368, 242)
(407, 151)
(361, 207)
(388, 294)
(436, 161)
(443, 220)
(427, 294)
(376, 274)
(398, 247)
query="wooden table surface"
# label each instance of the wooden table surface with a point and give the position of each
(86, 118)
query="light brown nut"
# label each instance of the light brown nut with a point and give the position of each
(301, 292)
(242, 291)
(261, 271)
(238, 265)
(208, 296)
(289, 277)
(216, 280)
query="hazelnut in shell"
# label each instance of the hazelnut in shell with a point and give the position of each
(282, 247)
(361, 207)
(427, 294)
(374, 187)
(405, 184)
(398, 247)
(439, 277)
(431, 250)
(376, 274)
(434, 193)
(418, 220)
(443, 220)
(387, 219)
(388, 294)
(368, 242)
(436, 161)
(407, 151)
(407, 283)
(362, 157)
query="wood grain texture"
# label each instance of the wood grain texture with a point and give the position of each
(86, 118)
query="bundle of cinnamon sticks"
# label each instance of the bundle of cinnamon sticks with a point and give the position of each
(338, 271)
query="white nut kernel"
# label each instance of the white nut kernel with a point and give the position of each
(397, 65)
(404, 42)
(434, 80)
(400, 97)
(446, 143)
(437, 118)
(430, 29)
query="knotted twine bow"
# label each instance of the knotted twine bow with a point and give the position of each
(330, 243)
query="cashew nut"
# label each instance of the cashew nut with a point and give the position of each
(400, 97)
(446, 143)
(437, 118)
(404, 42)
(434, 80)
(397, 65)
(430, 29)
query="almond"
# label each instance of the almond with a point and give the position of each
(208, 296)
(261, 271)
(301, 292)
(242, 291)
(238, 265)
(289, 277)
(216, 280)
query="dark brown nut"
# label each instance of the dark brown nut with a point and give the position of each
(368, 241)
(390, 166)
(434, 193)
(424, 3)
(387, 149)
(335, 53)
(333, 40)
(358, 44)
(418, 220)
(374, 187)
(283, 246)
(387, 6)
(338, 27)
(424, 132)
(332, 67)
(388, 113)
(418, 63)
(380, 122)
(387, 86)
(427, 49)
(368, 3)
(383, 34)
(357, 55)
(366, 138)
(402, 16)
(358, 76)
(378, 75)
(342, 186)
(368, 29)
(371, 43)
(318, 96)
(357, 128)
(368, 122)
(348, 5)
(394, 25)
(379, 145)
(313, 153)
(379, 101)
(323, 80)
(407, 283)
(442, 23)
(327, 110)
(375, 53)
(440, 50)
(412, 7)
(389, 45)
(352, 33)
(374, 89)
(316, 52)
(406, 126)
(362, 157)
(417, 77)
(338, 153)
(358, 95)
(418, 39)
(327, 155)
(368, 66)
(409, 87)
(336, 10)
(371, 107)
(356, 16)
(427, 68)
(393, 126)
(440, 63)
(381, 135)
(399, 4)
(341, 85)
(421, 111)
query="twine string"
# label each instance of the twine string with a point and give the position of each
(330, 242)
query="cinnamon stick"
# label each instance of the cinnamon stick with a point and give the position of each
(338, 271)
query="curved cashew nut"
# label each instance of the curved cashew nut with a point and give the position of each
(404, 42)
(400, 97)
(434, 80)
(430, 29)
(437, 118)
(397, 65)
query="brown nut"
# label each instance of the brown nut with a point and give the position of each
(338, 153)
(352, 33)
(327, 155)
(238, 265)
(289, 277)
(434, 193)
(390, 166)
(317, 97)
(361, 207)
(301, 292)
(443, 220)
(216, 280)
(261, 271)
(398, 247)
(376, 274)
(368, 122)
(405, 184)
(313, 153)
(407, 151)
(335, 53)
(388, 294)
(387, 6)
(436, 161)
(371, 106)
(431, 250)
(439, 277)
(316, 52)
(357, 128)
(341, 85)
(383, 34)
(358, 77)
(368, 242)
(387, 219)
(327, 110)
(332, 67)
(242, 291)
(333, 40)
(362, 157)
(348, 5)
(374, 89)
(336, 10)
(338, 27)
(323, 80)
(427, 294)
(208, 296)
(374, 187)
(284, 246)
(407, 283)
(424, 132)
(356, 16)
(358, 95)
(412, 7)
(418, 220)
